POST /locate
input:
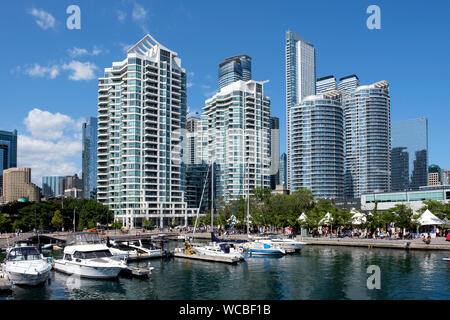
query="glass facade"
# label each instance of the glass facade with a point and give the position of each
(234, 69)
(283, 169)
(409, 154)
(141, 118)
(367, 133)
(89, 158)
(326, 84)
(50, 186)
(8, 153)
(236, 137)
(300, 81)
(274, 152)
(318, 145)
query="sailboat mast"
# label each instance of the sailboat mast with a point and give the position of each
(212, 196)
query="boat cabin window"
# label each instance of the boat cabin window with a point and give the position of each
(22, 254)
(92, 254)
(67, 257)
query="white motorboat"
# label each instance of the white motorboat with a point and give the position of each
(287, 244)
(86, 256)
(135, 249)
(24, 265)
(258, 248)
(219, 249)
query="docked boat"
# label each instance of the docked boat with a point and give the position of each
(258, 248)
(86, 256)
(219, 249)
(287, 244)
(138, 249)
(25, 265)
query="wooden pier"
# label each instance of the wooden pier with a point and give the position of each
(196, 256)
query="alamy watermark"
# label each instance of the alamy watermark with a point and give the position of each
(74, 20)
(374, 280)
(374, 20)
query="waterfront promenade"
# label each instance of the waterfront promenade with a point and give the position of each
(414, 244)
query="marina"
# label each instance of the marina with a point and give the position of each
(318, 272)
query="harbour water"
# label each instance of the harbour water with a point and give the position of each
(318, 272)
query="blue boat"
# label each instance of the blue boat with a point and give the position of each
(256, 248)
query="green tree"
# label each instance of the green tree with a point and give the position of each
(403, 217)
(57, 220)
(117, 224)
(439, 209)
(4, 223)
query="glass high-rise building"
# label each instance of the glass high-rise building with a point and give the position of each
(141, 115)
(274, 152)
(367, 133)
(50, 186)
(283, 169)
(89, 158)
(300, 81)
(318, 145)
(235, 68)
(8, 153)
(409, 154)
(236, 137)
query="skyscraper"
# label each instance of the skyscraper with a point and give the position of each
(283, 168)
(235, 126)
(89, 158)
(318, 145)
(17, 184)
(326, 84)
(235, 68)
(300, 81)
(367, 138)
(50, 186)
(141, 112)
(8, 153)
(274, 152)
(412, 137)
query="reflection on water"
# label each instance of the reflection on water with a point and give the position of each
(319, 272)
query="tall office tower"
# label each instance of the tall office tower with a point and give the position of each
(198, 175)
(326, 84)
(193, 141)
(89, 158)
(300, 81)
(235, 68)
(318, 145)
(412, 137)
(141, 112)
(50, 186)
(17, 184)
(71, 187)
(367, 134)
(274, 152)
(8, 153)
(283, 168)
(235, 126)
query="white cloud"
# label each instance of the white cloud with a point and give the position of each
(44, 19)
(38, 71)
(121, 16)
(75, 52)
(139, 14)
(189, 84)
(51, 144)
(80, 70)
(44, 124)
(191, 74)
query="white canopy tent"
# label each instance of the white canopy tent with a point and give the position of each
(358, 218)
(327, 219)
(429, 219)
(302, 217)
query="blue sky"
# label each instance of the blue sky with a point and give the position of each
(49, 73)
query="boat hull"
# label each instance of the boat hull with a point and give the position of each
(27, 278)
(266, 252)
(85, 271)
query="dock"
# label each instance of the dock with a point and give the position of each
(196, 256)
(415, 244)
(5, 285)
